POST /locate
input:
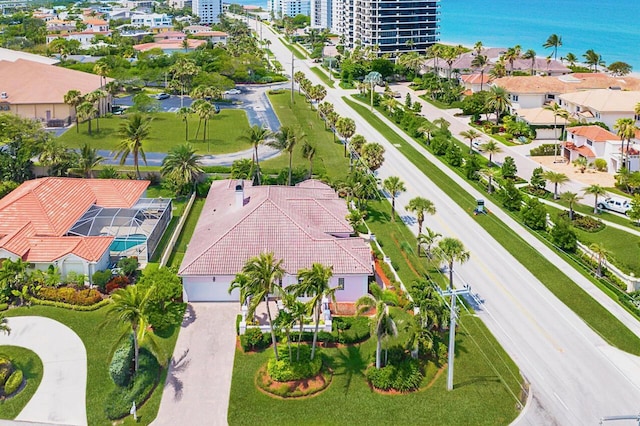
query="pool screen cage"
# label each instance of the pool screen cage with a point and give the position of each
(137, 230)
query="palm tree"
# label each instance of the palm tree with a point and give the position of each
(556, 179)
(557, 112)
(412, 61)
(4, 325)
(74, 98)
(471, 135)
(346, 127)
(480, 62)
(184, 113)
(498, 101)
(133, 132)
(383, 323)
(571, 58)
(626, 129)
(421, 206)
(89, 159)
(597, 191)
(512, 54)
(531, 55)
(256, 135)
(426, 129)
(394, 186)
(554, 41)
(372, 79)
(129, 305)
(96, 97)
(601, 252)
(260, 277)
(355, 218)
(442, 123)
(451, 250)
(86, 111)
(314, 283)
(206, 111)
(182, 165)
(490, 174)
(593, 59)
(357, 142)
(308, 152)
(287, 139)
(571, 198)
(428, 238)
(325, 108)
(491, 148)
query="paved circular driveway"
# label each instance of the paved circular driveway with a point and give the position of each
(61, 396)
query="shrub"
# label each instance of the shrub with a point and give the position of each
(600, 164)
(101, 278)
(254, 339)
(13, 382)
(86, 297)
(534, 214)
(5, 371)
(63, 305)
(403, 377)
(586, 223)
(351, 329)
(544, 149)
(121, 368)
(144, 381)
(128, 265)
(4, 306)
(286, 369)
(563, 235)
(116, 282)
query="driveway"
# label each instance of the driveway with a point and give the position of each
(60, 398)
(199, 380)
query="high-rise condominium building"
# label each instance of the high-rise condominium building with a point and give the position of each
(207, 10)
(321, 13)
(292, 8)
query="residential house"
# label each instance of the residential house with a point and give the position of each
(474, 83)
(156, 22)
(60, 25)
(85, 38)
(170, 35)
(593, 142)
(96, 25)
(214, 37)
(35, 90)
(80, 225)
(604, 105)
(301, 225)
(546, 125)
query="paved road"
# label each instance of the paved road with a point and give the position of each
(60, 398)
(198, 385)
(576, 378)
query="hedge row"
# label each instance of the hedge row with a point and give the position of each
(13, 383)
(72, 296)
(93, 307)
(403, 377)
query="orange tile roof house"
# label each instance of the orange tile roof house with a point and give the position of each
(593, 142)
(301, 225)
(80, 224)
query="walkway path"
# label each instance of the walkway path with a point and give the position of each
(199, 381)
(60, 398)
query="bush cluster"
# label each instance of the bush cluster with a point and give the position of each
(351, 329)
(286, 369)
(542, 150)
(64, 305)
(5, 370)
(119, 281)
(101, 278)
(403, 377)
(121, 366)
(70, 295)
(586, 223)
(144, 381)
(13, 382)
(253, 340)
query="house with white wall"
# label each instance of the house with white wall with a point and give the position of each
(153, 21)
(593, 142)
(605, 105)
(302, 225)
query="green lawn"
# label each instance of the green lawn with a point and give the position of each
(323, 76)
(31, 366)
(594, 314)
(329, 160)
(167, 131)
(185, 236)
(484, 394)
(100, 343)
(179, 205)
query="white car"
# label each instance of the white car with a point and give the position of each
(232, 92)
(477, 145)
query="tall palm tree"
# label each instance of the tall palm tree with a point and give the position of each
(184, 113)
(571, 58)
(556, 178)
(491, 148)
(490, 174)
(256, 135)
(96, 97)
(480, 62)
(572, 198)
(373, 79)
(182, 165)
(86, 112)
(558, 112)
(287, 139)
(498, 101)
(421, 206)
(426, 129)
(394, 186)
(133, 132)
(129, 305)
(412, 61)
(89, 159)
(332, 119)
(511, 55)
(260, 277)
(74, 98)
(470, 135)
(626, 130)
(357, 142)
(383, 323)
(593, 59)
(428, 238)
(597, 191)
(314, 283)
(601, 252)
(346, 127)
(531, 55)
(308, 152)
(325, 108)
(4, 325)
(553, 41)
(451, 250)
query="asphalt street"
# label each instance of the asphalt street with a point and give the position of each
(575, 377)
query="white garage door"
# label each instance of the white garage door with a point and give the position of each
(201, 290)
(76, 267)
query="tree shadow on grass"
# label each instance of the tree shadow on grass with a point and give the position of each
(349, 362)
(378, 216)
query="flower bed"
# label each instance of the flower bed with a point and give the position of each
(69, 295)
(295, 388)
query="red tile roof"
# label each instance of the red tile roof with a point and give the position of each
(593, 133)
(35, 217)
(297, 223)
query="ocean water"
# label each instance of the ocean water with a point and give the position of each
(607, 26)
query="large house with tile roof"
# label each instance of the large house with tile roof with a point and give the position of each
(80, 225)
(591, 142)
(301, 225)
(605, 105)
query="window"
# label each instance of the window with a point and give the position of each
(514, 98)
(577, 109)
(340, 283)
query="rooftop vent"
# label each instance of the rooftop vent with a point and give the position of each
(4, 95)
(615, 88)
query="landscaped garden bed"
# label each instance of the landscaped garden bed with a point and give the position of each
(20, 375)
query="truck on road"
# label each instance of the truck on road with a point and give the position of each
(618, 205)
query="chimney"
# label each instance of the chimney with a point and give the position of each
(240, 194)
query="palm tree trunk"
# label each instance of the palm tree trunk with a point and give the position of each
(378, 350)
(136, 348)
(135, 163)
(290, 158)
(289, 345)
(300, 336)
(310, 168)
(186, 129)
(198, 129)
(75, 109)
(393, 208)
(273, 333)
(599, 265)
(315, 332)
(595, 206)
(89, 127)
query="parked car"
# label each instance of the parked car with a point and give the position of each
(119, 109)
(618, 205)
(232, 92)
(161, 96)
(477, 145)
(397, 94)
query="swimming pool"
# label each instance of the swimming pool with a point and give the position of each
(125, 243)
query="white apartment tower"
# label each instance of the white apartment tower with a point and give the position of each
(291, 8)
(321, 13)
(207, 10)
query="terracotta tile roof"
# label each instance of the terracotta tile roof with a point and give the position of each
(39, 212)
(475, 78)
(169, 44)
(593, 133)
(95, 21)
(211, 34)
(296, 223)
(564, 84)
(604, 100)
(585, 151)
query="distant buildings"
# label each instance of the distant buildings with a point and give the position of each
(154, 21)
(281, 8)
(321, 13)
(207, 10)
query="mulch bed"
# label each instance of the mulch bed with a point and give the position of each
(307, 387)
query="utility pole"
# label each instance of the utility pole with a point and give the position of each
(293, 101)
(452, 327)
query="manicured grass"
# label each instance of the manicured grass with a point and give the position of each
(594, 314)
(479, 396)
(187, 231)
(329, 160)
(179, 204)
(167, 131)
(100, 344)
(323, 76)
(293, 49)
(31, 366)
(585, 209)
